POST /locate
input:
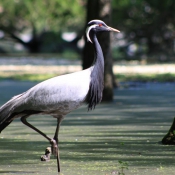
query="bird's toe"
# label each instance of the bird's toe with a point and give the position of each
(46, 156)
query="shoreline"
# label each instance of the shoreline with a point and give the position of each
(64, 69)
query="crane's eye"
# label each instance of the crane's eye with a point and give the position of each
(100, 25)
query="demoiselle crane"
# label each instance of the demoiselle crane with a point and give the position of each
(60, 95)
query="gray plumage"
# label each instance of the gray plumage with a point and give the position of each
(56, 96)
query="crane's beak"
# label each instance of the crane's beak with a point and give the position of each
(112, 29)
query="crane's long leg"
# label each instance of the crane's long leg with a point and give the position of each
(54, 141)
(55, 148)
(24, 121)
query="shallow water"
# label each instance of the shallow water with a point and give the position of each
(127, 130)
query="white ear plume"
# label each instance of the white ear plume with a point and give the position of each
(88, 30)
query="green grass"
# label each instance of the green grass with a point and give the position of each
(167, 77)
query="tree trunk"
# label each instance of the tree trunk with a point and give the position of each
(101, 9)
(169, 138)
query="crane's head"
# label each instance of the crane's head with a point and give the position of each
(98, 26)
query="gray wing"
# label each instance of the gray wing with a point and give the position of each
(63, 93)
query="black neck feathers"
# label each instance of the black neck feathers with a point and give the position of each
(97, 75)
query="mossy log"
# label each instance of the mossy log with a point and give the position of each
(169, 138)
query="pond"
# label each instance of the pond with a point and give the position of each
(123, 135)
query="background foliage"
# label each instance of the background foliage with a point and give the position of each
(42, 21)
(147, 26)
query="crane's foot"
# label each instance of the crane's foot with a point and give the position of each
(46, 156)
(50, 150)
(55, 152)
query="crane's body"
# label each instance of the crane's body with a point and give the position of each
(60, 95)
(56, 96)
